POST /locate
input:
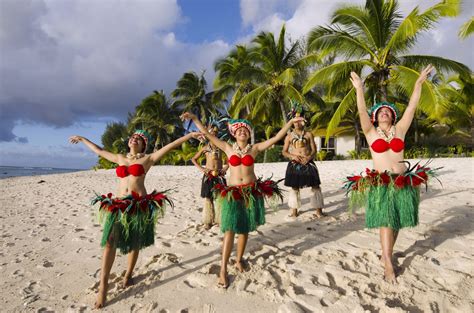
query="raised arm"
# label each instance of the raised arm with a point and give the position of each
(112, 157)
(156, 156)
(261, 146)
(195, 159)
(404, 124)
(216, 141)
(361, 106)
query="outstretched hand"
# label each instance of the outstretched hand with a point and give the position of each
(356, 81)
(197, 135)
(75, 139)
(297, 119)
(187, 116)
(425, 73)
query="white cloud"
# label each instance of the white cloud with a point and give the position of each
(307, 14)
(65, 60)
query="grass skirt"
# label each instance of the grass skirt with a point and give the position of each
(208, 183)
(242, 206)
(129, 222)
(302, 175)
(391, 200)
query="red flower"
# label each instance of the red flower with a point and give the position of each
(385, 178)
(423, 176)
(354, 178)
(135, 195)
(400, 181)
(109, 195)
(236, 194)
(223, 193)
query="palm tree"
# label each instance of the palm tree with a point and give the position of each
(375, 38)
(114, 139)
(236, 73)
(274, 73)
(155, 115)
(191, 96)
(467, 29)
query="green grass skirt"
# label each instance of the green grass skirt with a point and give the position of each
(241, 217)
(391, 200)
(129, 222)
(388, 206)
(138, 236)
(243, 206)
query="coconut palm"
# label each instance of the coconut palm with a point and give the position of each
(235, 73)
(155, 115)
(375, 38)
(467, 28)
(191, 96)
(274, 73)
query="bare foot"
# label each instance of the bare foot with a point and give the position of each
(241, 266)
(127, 281)
(294, 213)
(389, 273)
(319, 213)
(223, 281)
(100, 301)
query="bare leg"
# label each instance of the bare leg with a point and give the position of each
(108, 258)
(227, 245)
(387, 239)
(132, 260)
(241, 244)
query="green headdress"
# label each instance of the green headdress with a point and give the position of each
(144, 135)
(297, 109)
(373, 111)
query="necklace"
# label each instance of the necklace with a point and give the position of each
(239, 151)
(135, 156)
(390, 136)
(298, 140)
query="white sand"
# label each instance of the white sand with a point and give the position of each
(50, 256)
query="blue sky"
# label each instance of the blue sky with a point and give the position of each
(70, 67)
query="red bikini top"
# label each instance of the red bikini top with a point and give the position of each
(380, 145)
(134, 170)
(246, 160)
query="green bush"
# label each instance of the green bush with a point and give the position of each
(322, 155)
(273, 155)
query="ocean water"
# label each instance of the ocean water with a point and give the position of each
(15, 171)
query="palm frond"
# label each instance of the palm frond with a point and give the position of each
(348, 101)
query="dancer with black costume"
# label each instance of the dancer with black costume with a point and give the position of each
(301, 171)
(213, 173)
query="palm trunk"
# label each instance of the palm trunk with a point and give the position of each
(415, 124)
(252, 133)
(358, 143)
(283, 112)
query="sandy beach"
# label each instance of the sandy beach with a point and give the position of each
(50, 256)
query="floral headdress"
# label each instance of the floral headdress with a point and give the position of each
(373, 111)
(297, 109)
(233, 125)
(144, 135)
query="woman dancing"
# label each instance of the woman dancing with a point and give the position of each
(129, 219)
(214, 172)
(390, 192)
(242, 201)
